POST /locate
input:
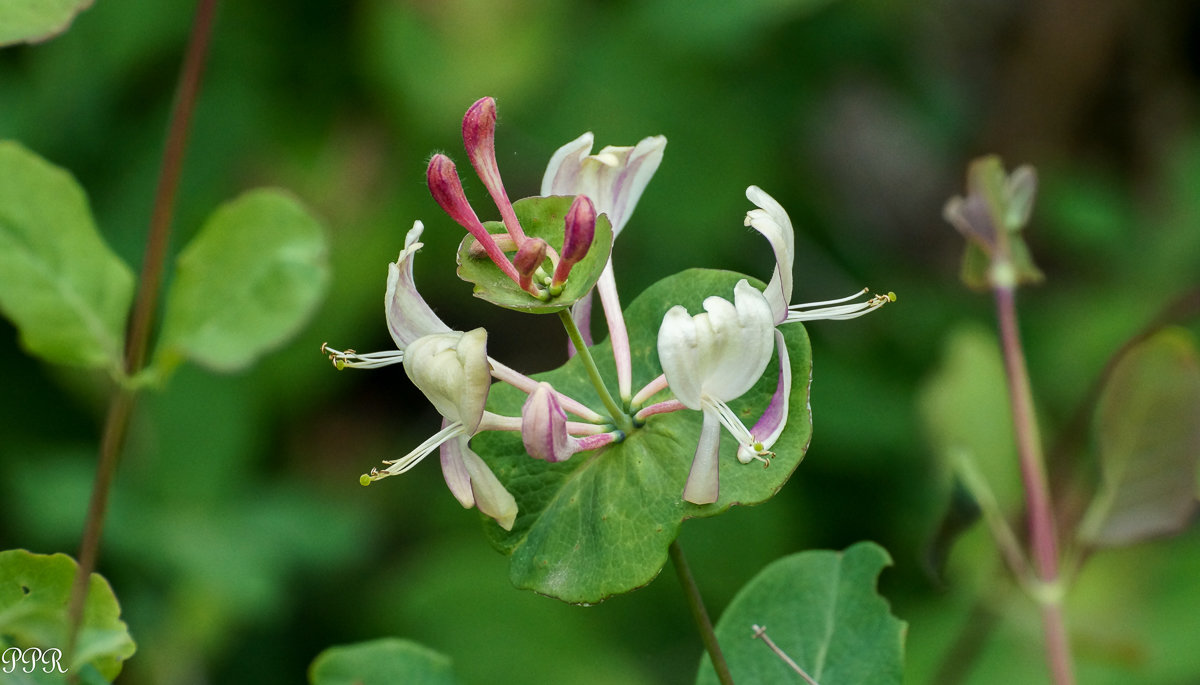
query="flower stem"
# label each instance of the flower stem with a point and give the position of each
(1042, 534)
(619, 417)
(699, 613)
(120, 410)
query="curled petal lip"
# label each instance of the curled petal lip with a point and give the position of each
(408, 316)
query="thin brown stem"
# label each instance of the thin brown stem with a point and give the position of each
(1042, 531)
(116, 424)
(699, 613)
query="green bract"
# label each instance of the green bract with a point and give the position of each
(34, 593)
(540, 217)
(600, 523)
(821, 609)
(67, 293)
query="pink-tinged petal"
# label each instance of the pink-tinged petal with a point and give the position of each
(774, 419)
(702, 483)
(447, 190)
(408, 316)
(618, 335)
(487, 492)
(626, 189)
(772, 221)
(544, 426)
(455, 471)
(562, 173)
(613, 178)
(479, 137)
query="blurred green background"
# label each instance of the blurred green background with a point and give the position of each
(239, 541)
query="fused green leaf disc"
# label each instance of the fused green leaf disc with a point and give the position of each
(65, 290)
(35, 590)
(600, 523)
(381, 662)
(820, 608)
(540, 217)
(245, 283)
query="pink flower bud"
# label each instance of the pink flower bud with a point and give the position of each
(578, 233)
(479, 137)
(447, 190)
(529, 257)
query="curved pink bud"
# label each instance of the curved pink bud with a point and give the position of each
(447, 191)
(479, 137)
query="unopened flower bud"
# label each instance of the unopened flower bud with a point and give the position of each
(447, 190)
(528, 259)
(544, 426)
(578, 233)
(479, 137)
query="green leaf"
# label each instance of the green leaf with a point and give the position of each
(820, 608)
(31, 21)
(1148, 433)
(245, 284)
(600, 523)
(540, 217)
(381, 662)
(67, 293)
(35, 590)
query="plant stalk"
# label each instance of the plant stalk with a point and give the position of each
(619, 417)
(1042, 531)
(699, 613)
(116, 424)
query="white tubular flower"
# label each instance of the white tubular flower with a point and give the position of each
(710, 359)
(453, 372)
(408, 316)
(773, 222)
(613, 179)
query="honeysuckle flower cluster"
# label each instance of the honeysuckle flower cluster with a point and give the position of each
(708, 359)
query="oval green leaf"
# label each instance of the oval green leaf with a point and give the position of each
(600, 523)
(35, 590)
(65, 290)
(246, 283)
(31, 21)
(540, 217)
(381, 662)
(1148, 433)
(821, 609)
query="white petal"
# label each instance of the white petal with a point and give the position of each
(613, 179)
(490, 495)
(773, 222)
(452, 370)
(703, 483)
(745, 343)
(562, 174)
(408, 315)
(677, 350)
